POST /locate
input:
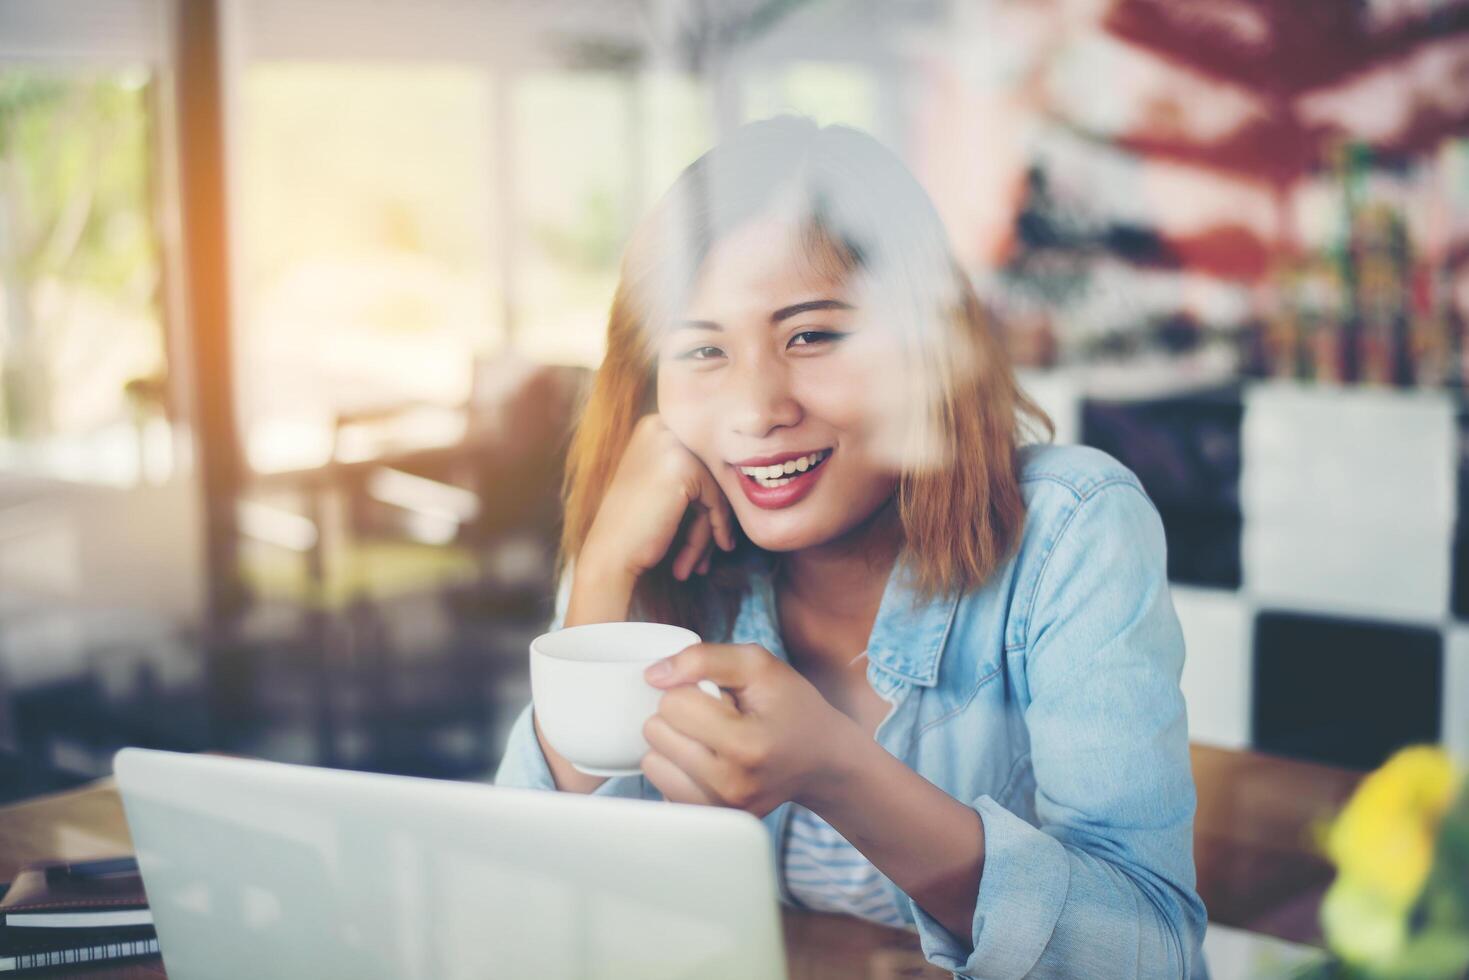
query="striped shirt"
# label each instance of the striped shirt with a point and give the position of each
(826, 873)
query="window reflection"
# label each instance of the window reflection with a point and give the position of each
(83, 389)
(573, 192)
(828, 92)
(366, 283)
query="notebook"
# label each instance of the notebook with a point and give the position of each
(17, 955)
(76, 895)
(59, 913)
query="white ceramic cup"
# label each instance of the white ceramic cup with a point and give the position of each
(589, 693)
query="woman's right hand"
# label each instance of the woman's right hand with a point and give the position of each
(657, 482)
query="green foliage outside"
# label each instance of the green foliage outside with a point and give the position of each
(75, 217)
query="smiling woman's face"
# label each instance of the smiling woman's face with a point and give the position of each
(772, 365)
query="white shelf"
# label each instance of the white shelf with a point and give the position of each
(1455, 733)
(1349, 456)
(1218, 672)
(1362, 571)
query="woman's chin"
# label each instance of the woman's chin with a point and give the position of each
(780, 535)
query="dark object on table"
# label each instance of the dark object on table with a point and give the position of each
(57, 913)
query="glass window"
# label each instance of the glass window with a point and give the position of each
(573, 192)
(678, 127)
(82, 348)
(368, 249)
(828, 92)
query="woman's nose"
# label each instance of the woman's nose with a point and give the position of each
(759, 398)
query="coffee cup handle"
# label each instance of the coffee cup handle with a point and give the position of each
(712, 689)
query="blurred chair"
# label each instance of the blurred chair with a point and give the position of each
(495, 494)
(468, 525)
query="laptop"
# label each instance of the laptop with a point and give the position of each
(259, 868)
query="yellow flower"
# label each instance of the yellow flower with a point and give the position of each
(1360, 925)
(1382, 845)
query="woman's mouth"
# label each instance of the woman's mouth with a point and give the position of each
(782, 484)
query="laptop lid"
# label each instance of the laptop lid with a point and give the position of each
(258, 868)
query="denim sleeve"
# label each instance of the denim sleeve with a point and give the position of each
(524, 764)
(1105, 886)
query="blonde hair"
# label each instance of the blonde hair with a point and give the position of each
(859, 212)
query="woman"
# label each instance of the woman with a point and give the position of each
(951, 660)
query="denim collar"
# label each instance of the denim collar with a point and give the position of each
(907, 637)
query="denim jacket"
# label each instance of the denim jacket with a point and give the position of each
(1048, 700)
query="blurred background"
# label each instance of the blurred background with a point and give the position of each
(299, 297)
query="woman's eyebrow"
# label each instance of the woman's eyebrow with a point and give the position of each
(784, 313)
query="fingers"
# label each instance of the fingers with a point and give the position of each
(691, 713)
(695, 547)
(712, 499)
(728, 665)
(706, 558)
(675, 784)
(695, 759)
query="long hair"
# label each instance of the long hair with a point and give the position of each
(860, 214)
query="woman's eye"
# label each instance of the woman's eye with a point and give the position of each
(702, 354)
(808, 338)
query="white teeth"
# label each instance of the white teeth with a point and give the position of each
(778, 475)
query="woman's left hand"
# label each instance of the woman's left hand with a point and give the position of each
(780, 740)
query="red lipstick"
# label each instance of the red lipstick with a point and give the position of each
(774, 498)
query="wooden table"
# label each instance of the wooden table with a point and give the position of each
(1257, 867)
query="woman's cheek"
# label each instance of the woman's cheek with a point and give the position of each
(877, 397)
(673, 397)
(889, 422)
(683, 412)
